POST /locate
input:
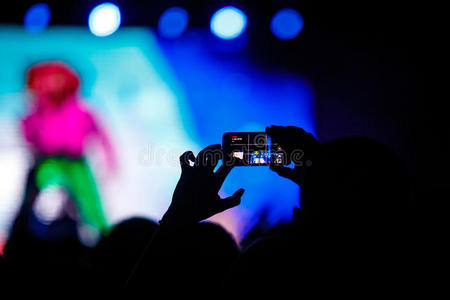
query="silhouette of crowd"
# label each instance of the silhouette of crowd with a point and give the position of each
(355, 233)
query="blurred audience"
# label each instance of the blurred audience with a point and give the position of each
(116, 254)
(3, 271)
(353, 226)
(353, 232)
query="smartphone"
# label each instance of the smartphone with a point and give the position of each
(252, 149)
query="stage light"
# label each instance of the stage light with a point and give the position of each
(36, 18)
(104, 19)
(173, 22)
(228, 22)
(286, 24)
(49, 204)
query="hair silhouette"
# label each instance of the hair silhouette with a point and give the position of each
(116, 254)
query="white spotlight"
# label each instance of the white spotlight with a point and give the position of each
(104, 19)
(228, 22)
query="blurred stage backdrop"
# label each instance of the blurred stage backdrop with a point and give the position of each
(156, 97)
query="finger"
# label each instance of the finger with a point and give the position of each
(284, 172)
(295, 129)
(287, 137)
(185, 158)
(231, 201)
(274, 129)
(222, 173)
(279, 134)
(213, 157)
(209, 157)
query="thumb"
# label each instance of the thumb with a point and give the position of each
(232, 201)
(284, 172)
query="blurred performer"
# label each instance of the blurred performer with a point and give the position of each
(57, 128)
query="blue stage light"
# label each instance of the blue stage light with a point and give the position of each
(228, 22)
(286, 24)
(104, 19)
(173, 22)
(166, 98)
(36, 18)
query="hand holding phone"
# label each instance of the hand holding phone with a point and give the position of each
(196, 195)
(252, 149)
(300, 146)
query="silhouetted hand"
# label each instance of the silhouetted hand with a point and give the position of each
(196, 195)
(299, 145)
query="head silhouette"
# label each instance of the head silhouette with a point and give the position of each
(358, 179)
(117, 254)
(198, 260)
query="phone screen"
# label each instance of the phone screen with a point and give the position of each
(252, 149)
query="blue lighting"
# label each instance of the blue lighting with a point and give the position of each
(158, 99)
(104, 19)
(228, 22)
(37, 17)
(286, 24)
(229, 93)
(173, 22)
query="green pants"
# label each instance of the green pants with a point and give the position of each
(76, 177)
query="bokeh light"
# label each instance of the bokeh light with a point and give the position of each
(173, 22)
(49, 204)
(286, 24)
(228, 22)
(37, 18)
(104, 19)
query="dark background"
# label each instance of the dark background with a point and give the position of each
(366, 61)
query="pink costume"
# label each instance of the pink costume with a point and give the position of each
(63, 129)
